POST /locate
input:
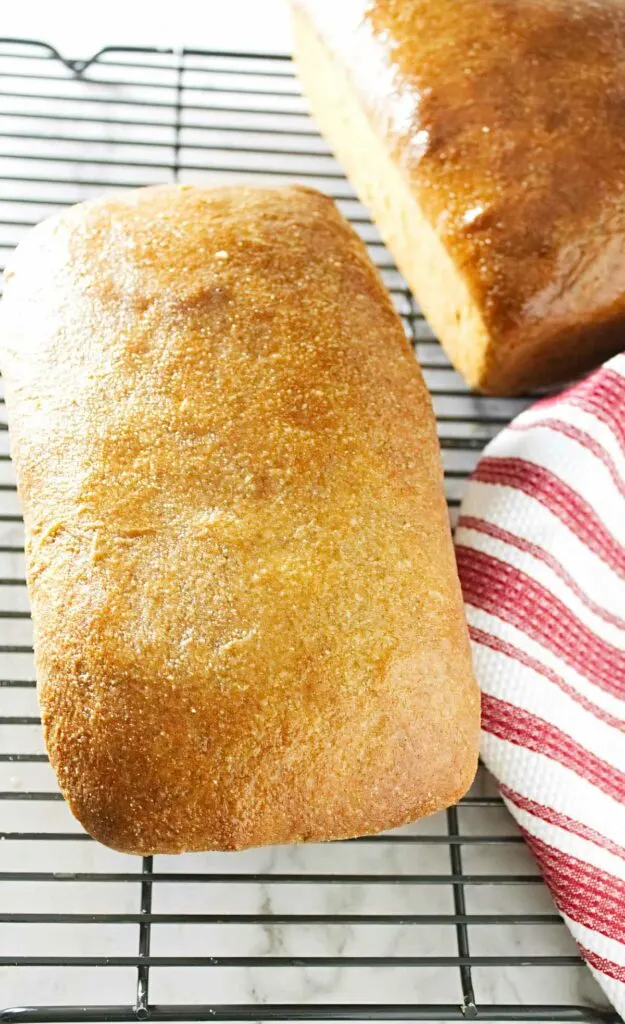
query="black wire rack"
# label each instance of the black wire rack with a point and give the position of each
(445, 920)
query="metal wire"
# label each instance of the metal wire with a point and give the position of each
(128, 116)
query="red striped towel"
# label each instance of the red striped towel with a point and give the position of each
(541, 554)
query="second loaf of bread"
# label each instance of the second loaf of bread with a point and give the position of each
(488, 139)
(248, 624)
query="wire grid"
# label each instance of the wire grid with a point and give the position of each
(446, 919)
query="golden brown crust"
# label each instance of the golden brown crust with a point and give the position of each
(248, 624)
(506, 121)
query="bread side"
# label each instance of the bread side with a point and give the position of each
(441, 291)
(487, 140)
(248, 625)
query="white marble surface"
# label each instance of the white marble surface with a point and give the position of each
(216, 984)
(235, 25)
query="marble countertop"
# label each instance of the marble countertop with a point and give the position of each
(236, 25)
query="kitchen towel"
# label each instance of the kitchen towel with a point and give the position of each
(541, 553)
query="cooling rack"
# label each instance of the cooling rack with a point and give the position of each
(444, 920)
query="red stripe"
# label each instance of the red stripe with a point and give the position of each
(515, 597)
(604, 398)
(495, 643)
(584, 893)
(491, 530)
(582, 438)
(560, 499)
(609, 967)
(563, 821)
(523, 729)
(602, 395)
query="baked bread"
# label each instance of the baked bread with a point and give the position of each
(488, 139)
(248, 623)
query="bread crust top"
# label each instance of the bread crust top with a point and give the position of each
(248, 623)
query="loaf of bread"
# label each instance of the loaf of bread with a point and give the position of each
(248, 623)
(488, 139)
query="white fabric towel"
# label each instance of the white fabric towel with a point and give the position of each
(541, 554)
